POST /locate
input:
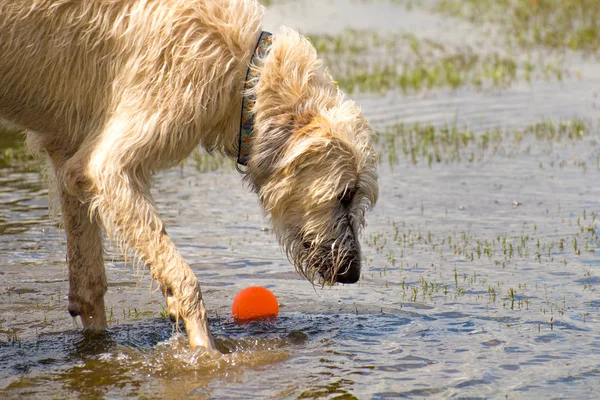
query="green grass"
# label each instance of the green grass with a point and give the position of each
(419, 143)
(448, 261)
(554, 24)
(13, 153)
(450, 143)
(364, 61)
(209, 162)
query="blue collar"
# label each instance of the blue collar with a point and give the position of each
(247, 118)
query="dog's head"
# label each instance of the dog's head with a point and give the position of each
(311, 162)
(316, 176)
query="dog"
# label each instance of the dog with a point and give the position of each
(113, 91)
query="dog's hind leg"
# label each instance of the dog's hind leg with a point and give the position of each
(87, 278)
(119, 170)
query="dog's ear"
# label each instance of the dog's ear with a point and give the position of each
(268, 145)
(287, 144)
(291, 75)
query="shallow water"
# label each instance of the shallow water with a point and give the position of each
(473, 285)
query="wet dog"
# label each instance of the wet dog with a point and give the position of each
(113, 91)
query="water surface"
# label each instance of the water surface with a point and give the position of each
(480, 278)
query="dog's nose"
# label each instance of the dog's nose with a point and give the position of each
(350, 275)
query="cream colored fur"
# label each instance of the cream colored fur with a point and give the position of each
(115, 90)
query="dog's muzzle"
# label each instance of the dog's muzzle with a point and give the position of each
(336, 261)
(350, 273)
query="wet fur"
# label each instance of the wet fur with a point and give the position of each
(115, 90)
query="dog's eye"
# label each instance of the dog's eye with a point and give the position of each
(346, 197)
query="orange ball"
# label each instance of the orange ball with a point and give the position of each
(254, 302)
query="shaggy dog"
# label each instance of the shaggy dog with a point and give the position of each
(115, 90)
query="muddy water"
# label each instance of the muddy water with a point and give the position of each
(481, 277)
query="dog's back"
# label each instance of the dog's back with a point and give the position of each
(47, 82)
(66, 65)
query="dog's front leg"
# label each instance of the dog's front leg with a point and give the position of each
(121, 196)
(126, 208)
(182, 292)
